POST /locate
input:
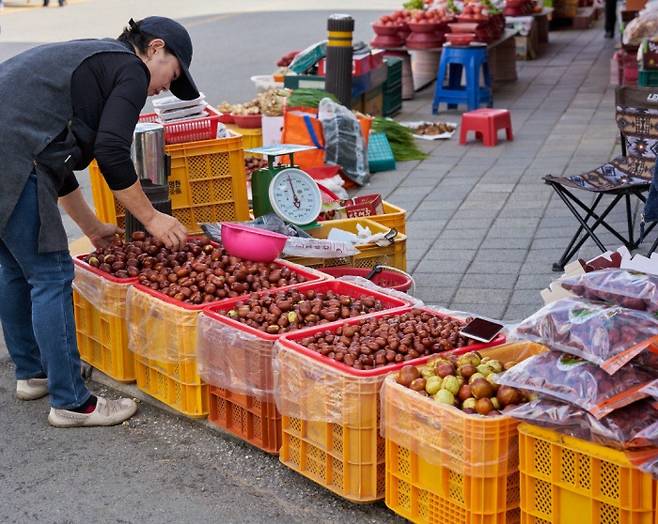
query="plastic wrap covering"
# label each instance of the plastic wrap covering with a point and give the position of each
(344, 144)
(444, 435)
(578, 382)
(644, 26)
(635, 426)
(652, 390)
(159, 330)
(233, 359)
(368, 284)
(647, 461)
(609, 336)
(108, 296)
(617, 286)
(308, 389)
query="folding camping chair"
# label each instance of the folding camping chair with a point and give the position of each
(625, 179)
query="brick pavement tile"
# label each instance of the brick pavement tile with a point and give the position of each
(503, 254)
(493, 188)
(493, 311)
(464, 233)
(526, 297)
(457, 243)
(459, 257)
(436, 278)
(430, 214)
(512, 210)
(425, 228)
(496, 268)
(481, 296)
(503, 233)
(518, 313)
(439, 296)
(487, 281)
(537, 267)
(508, 243)
(464, 223)
(514, 223)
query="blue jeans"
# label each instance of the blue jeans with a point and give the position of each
(36, 306)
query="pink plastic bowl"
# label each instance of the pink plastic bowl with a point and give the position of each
(251, 243)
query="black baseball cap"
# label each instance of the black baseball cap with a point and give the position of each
(179, 43)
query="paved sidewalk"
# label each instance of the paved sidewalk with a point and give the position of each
(483, 229)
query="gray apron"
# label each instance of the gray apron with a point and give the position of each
(36, 107)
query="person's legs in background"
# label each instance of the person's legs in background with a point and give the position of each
(610, 17)
(49, 276)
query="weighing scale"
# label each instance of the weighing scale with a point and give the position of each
(285, 190)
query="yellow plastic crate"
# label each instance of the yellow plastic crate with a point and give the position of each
(429, 494)
(370, 255)
(393, 217)
(207, 184)
(188, 399)
(103, 340)
(566, 480)
(251, 138)
(446, 466)
(99, 305)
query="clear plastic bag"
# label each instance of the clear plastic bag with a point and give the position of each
(234, 359)
(308, 389)
(644, 26)
(609, 336)
(344, 143)
(652, 390)
(106, 296)
(631, 427)
(159, 330)
(581, 383)
(369, 284)
(617, 286)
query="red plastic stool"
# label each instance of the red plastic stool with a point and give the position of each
(486, 123)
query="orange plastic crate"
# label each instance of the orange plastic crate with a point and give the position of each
(570, 481)
(244, 416)
(336, 442)
(188, 399)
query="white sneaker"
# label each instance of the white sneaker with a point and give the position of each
(31, 389)
(107, 413)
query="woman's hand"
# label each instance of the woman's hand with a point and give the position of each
(167, 229)
(102, 235)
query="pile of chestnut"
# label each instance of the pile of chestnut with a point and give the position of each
(466, 382)
(197, 274)
(290, 310)
(376, 342)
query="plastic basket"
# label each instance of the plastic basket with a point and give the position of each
(370, 255)
(386, 278)
(238, 359)
(380, 154)
(203, 128)
(567, 480)
(189, 399)
(442, 463)
(161, 328)
(251, 138)
(100, 325)
(207, 184)
(427, 494)
(647, 78)
(393, 217)
(246, 417)
(330, 418)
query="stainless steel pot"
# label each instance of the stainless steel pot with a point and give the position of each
(148, 152)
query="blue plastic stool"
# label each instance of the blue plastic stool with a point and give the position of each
(454, 60)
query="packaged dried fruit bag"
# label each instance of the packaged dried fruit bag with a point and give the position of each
(609, 336)
(631, 427)
(581, 383)
(617, 286)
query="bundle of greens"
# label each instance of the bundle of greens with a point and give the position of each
(401, 139)
(308, 98)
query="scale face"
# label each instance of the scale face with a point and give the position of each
(295, 196)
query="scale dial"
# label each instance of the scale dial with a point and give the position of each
(295, 196)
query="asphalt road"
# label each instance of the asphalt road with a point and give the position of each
(159, 467)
